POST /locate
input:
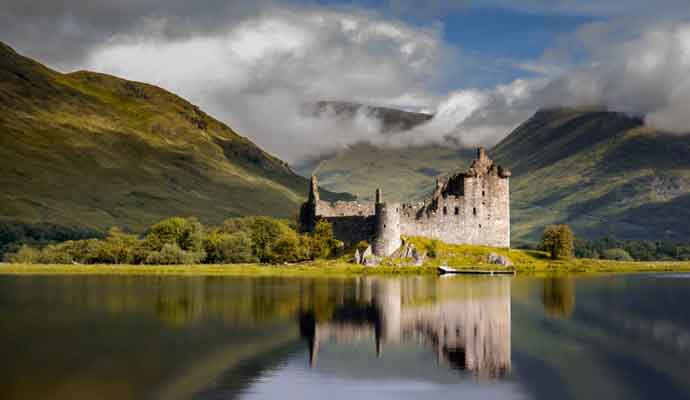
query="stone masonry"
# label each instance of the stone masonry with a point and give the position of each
(471, 207)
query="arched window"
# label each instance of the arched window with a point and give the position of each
(457, 210)
(474, 211)
(445, 210)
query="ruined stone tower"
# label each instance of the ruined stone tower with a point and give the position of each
(386, 226)
(472, 207)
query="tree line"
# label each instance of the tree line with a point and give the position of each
(560, 242)
(186, 241)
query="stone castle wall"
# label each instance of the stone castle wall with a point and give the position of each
(469, 208)
(481, 216)
(352, 221)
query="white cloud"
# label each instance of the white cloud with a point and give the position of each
(646, 74)
(256, 75)
(256, 72)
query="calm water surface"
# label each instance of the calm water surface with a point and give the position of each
(623, 337)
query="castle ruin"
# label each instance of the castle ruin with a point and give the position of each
(471, 207)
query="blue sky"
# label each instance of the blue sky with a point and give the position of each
(494, 35)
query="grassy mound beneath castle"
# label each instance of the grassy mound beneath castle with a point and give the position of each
(527, 261)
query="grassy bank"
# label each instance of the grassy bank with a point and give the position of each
(459, 256)
(466, 257)
(331, 268)
(530, 261)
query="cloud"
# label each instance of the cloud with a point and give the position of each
(254, 65)
(257, 74)
(646, 74)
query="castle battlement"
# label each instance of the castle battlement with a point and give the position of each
(471, 207)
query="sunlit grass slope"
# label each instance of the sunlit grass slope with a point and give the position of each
(94, 150)
(602, 172)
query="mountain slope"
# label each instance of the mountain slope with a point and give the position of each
(402, 173)
(94, 150)
(602, 172)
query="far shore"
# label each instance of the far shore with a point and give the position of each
(338, 268)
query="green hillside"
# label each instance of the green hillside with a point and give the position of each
(92, 150)
(602, 172)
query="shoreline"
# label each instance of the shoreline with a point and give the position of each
(333, 269)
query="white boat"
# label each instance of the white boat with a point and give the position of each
(444, 269)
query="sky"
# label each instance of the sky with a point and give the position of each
(481, 67)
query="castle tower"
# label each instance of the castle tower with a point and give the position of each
(307, 214)
(387, 227)
(314, 190)
(481, 154)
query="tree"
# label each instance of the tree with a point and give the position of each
(186, 233)
(558, 241)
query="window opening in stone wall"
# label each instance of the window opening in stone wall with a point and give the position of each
(457, 210)
(445, 210)
(483, 193)
(474, 211)
(480, 225)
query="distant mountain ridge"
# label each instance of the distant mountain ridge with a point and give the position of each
(94, 150)
(392, 120)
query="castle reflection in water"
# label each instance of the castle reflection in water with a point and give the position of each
(466, 324)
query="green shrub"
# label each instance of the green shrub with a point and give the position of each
(323, 243)
(172, 254)
(118, 248)
(228, 248)
(24, 255)
(237, 248)
(56, 254)
(266, 232)
(241, 224)
(79, 251)
(616, 254)
(432, 248)
(291, 248)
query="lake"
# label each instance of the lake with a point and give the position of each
(126, 337)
